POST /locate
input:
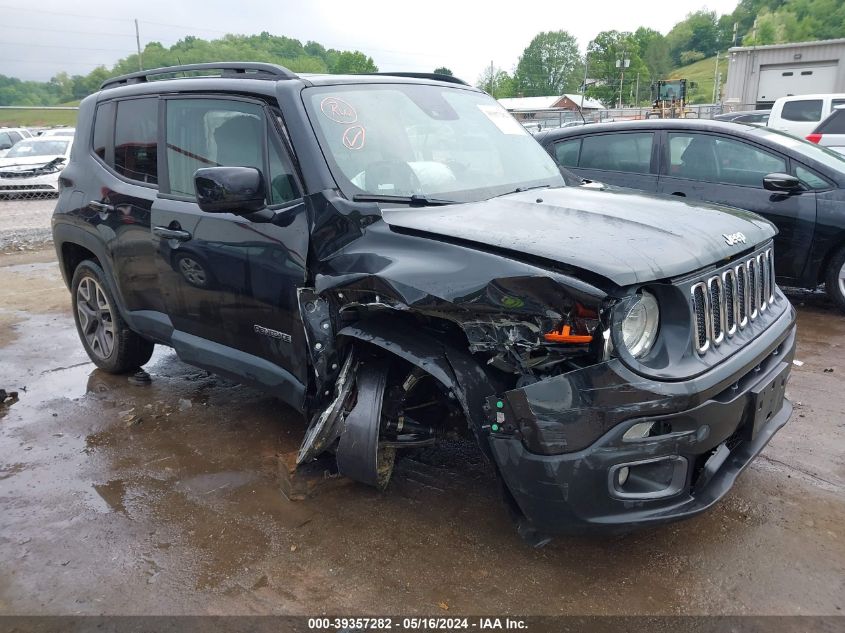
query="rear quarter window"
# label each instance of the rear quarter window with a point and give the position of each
(103, 128)
(834, 124)
(803, 110)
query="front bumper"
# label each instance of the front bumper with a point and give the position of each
(714, 425)
(47, 183)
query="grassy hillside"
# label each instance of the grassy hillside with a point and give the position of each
(33, 118)
(703, 73)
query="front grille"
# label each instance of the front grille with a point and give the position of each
(25, 187)
(727, 302)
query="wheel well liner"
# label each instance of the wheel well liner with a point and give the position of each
(454, 368)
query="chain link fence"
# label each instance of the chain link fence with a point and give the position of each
(538, 120)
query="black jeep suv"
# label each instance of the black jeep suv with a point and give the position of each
(397, 258)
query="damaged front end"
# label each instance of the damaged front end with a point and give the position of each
(592, 400)
(408, 336)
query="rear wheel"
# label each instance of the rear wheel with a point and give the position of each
(835, 279)
(106, 337)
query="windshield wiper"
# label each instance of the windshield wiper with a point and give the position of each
(415, 200)
(521, 189)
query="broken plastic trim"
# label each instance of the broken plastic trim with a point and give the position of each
(324, 428)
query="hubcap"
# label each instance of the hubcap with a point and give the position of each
(192, 271)
(95, 317)
(842, 280)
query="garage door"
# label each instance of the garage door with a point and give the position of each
(783, 81)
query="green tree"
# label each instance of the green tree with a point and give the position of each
(654, 51)
(549, 65)
(353, 62)
(699, 31)
(608, 48)
(499, 85)
(442, 70)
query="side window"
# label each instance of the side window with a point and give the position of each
(282, 184)
(135, 140)
(802, 110)
(617, 152)
(103, 128)
(5, 140)
(566, 152)
(220, 132)
(810, 178)
(834, 124)
(717, 159)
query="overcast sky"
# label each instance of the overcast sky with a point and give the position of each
(43, 37)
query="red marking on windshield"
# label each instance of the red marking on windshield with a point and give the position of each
(338, 110)
(354, 137)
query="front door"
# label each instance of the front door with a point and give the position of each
(729, 171)
(230, 281)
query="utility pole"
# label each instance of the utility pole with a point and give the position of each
(716, 77)
(584, 87)
(491, 78)
(638, 90)
(138, 44)
(622, 64)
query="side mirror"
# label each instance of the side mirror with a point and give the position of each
(783, 183)
(237, 190)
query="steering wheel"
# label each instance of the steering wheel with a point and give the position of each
(391, 177)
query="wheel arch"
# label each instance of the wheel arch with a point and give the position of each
(455, 368)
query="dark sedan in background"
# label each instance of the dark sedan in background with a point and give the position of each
(798, 186)
(745, 116)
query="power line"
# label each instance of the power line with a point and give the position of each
(69, 15)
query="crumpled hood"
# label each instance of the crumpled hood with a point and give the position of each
(25, 163)
(624, 236)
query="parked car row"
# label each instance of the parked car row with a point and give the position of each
(797, 185)
(30, 165)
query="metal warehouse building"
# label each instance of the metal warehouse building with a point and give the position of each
(757, 75)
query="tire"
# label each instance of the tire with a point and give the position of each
(835, 279)
(106, 337)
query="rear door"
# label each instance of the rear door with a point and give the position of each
(729, 171)
(231, 280)
(625, 159)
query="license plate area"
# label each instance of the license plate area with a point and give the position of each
(766, 400)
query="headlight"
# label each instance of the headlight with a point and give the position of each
(639, 327)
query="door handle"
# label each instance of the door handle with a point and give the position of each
(171, 234)
(101, 207)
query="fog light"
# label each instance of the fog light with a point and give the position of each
(638, 431)
(655, 478)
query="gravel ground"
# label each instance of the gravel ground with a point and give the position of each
(25, 224)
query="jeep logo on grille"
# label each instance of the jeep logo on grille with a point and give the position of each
(734, 238)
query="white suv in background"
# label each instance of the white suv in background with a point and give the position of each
(831, 132)
(799, 115)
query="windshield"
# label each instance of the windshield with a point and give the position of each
(24, 149)
(425, 140)
(826, 157)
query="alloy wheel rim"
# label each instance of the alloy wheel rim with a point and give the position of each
(192, 271)
(96, 321)
(842, 280)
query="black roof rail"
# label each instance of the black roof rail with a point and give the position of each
(244, 70)
(435, 76)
